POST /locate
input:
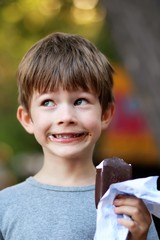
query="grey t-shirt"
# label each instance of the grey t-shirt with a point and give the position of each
(34, 211)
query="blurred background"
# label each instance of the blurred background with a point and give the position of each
(128, 34)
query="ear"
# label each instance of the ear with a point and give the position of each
(107, 116)
(25, 119)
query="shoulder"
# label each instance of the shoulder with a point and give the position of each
(12, 194)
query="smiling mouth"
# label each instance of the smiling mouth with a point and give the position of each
(67, 135)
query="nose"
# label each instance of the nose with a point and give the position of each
(66, 115)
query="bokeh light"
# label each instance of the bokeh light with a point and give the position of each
(85, 4)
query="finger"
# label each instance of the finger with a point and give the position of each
(137, 214)
(128, 223)
(136, 231)
(128, 200)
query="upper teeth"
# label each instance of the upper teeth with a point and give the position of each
(66, 135)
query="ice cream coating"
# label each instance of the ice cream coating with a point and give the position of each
(112, 170)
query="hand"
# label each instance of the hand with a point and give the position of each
(140, 219)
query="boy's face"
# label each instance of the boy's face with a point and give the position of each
(66, 124)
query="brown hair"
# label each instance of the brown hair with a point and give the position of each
(68, 61)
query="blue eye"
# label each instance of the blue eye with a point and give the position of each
(81, 101)
(48, 103)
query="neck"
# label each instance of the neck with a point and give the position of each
(62, 172)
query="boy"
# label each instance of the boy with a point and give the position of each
(65, 95)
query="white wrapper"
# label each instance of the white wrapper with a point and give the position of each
(143, 188)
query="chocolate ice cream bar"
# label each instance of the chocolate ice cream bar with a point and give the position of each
(111, 170)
